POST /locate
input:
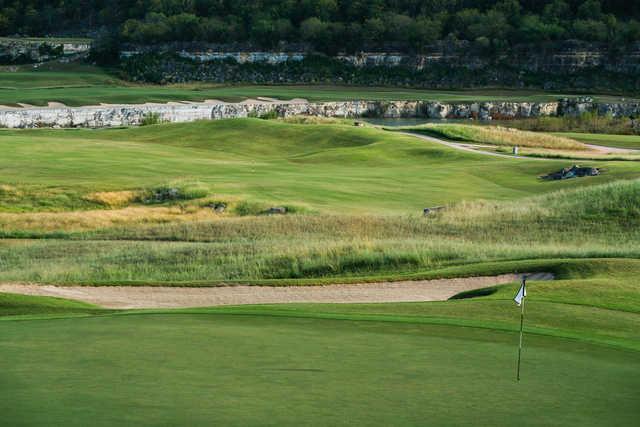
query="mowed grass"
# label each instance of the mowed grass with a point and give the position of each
(77, 84)
(617, 141)
(338, 364)
(326, 168)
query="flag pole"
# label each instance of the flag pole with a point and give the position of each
(524, 284)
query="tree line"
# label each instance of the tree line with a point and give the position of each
(329, 25)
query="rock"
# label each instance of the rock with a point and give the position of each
(574, 171)
(428, 211)
(165, 194)
(219, 207)
(277, 210)
(128, 115)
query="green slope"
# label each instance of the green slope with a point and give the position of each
(332, 168)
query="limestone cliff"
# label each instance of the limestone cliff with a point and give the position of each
(132, 115)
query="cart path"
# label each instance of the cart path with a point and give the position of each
(129, 297)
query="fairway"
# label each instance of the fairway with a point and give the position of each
(333, 168)
(76, 85)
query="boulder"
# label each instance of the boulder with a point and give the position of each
(219, 207)
(574, 171)
(277, 210)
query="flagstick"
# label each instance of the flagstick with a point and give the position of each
(521, 325)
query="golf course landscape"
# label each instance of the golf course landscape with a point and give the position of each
(142, 206)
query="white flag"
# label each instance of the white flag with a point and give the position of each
(521, 293)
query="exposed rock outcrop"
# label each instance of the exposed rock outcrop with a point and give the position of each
(40, 50)
(561, 57)
(132, 115)
(574, 171)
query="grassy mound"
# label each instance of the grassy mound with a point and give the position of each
(13, 304)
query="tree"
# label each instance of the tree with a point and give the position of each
(590, 30)
(316, 32)
(533, 29)
(184, 27)
(374, 30)
(590, 9)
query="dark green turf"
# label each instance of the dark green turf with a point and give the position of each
(248, 370)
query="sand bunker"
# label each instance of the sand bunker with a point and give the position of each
(174, 297)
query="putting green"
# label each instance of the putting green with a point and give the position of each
(255, 370)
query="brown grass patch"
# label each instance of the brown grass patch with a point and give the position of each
(9, 190)
(113, 199)
(502, 136)
(97, 219)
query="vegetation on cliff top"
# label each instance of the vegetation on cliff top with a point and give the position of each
(332, 25)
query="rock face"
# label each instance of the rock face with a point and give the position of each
(30, 51)
(561, 57)
(132, 115)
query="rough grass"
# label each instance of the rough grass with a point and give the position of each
(599, 221)
(497, 135)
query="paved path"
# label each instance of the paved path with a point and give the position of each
(124, 297)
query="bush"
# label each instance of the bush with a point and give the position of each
(246, 208)
(150, 119)
(174, 192)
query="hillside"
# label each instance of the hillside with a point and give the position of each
(354, 198)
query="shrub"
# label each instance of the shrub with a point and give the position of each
(246, 208)
(174, 192)
(150, 119)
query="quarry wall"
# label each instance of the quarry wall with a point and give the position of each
(568, 56)
(132, 115)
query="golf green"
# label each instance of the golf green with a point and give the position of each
(204, 369)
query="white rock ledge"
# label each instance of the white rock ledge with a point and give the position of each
(132, 115)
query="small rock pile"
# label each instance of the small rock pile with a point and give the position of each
(574, 171)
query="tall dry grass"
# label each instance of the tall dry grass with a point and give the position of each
(498, 135)
(598, 221)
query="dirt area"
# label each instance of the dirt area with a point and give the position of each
(174, 297)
